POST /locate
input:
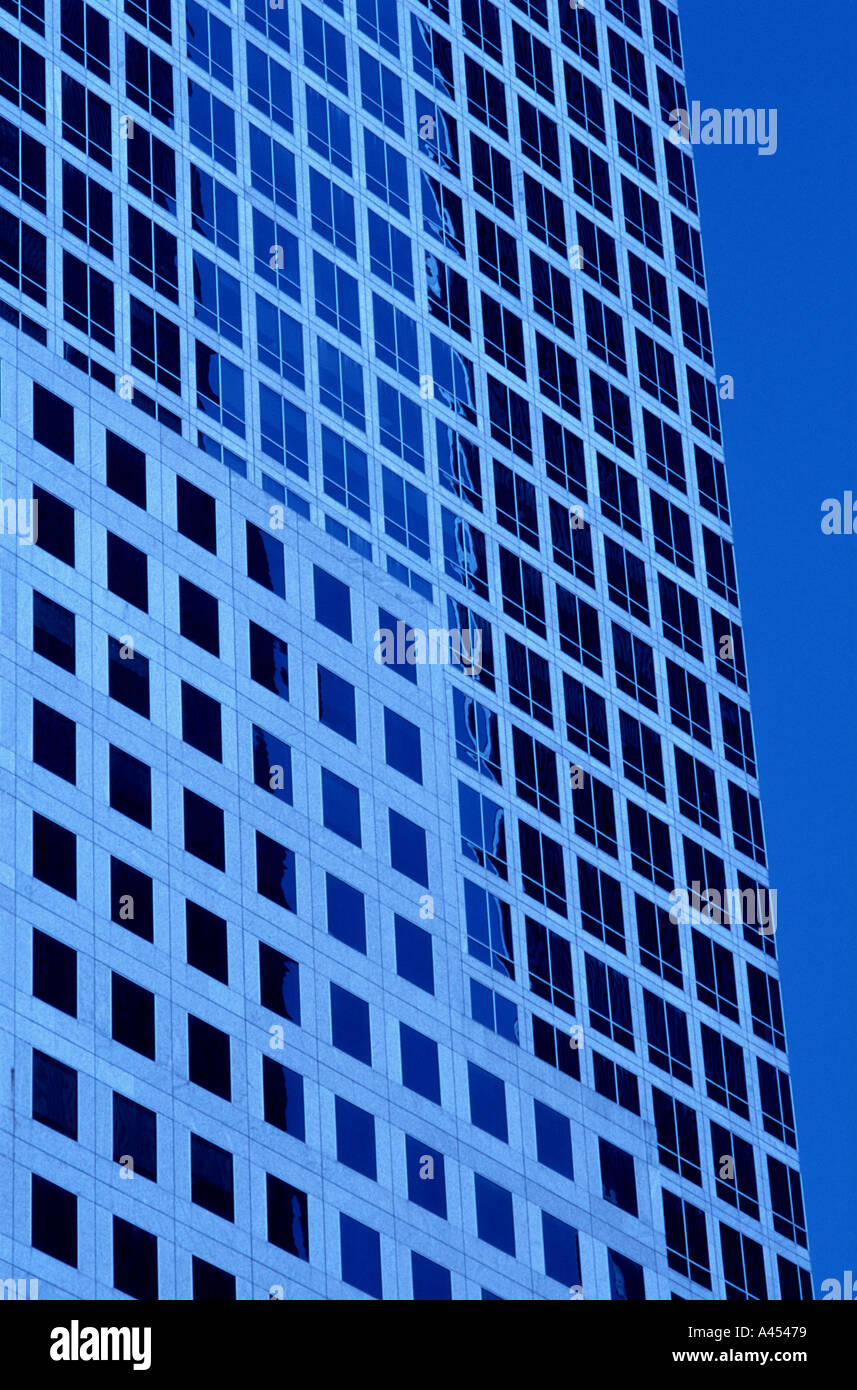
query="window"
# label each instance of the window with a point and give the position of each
(535, 772)
(211, 1178)
(155, 346)
(420, 1068)
(279, 984)
(196, 516)
(594, 813)
(212, 125)
(275, 872)
(687, 1242)
(219, 388)
(443, 216)
(747, 834)
(626, 580)
(671, 532)
(214, 212)
(591, 177)
(379, 20)
(715, 976)
(720, 566)
(131, 903)
(766, 1007)
(288, 1225)
(149, 80)
(549, 962)
(88, 300)
(545, 215)
(269, 88)
(495, 1222)
(579, 632)
(324, 50)
(586, 719)
(432, 57)
(53, 632)
(130, 787)
(539, 138)
(135, 1137)
(198, 617)
(494, 1011)
(641, 755)
(657, 370)
(381, 93)
(360, 1255)
(533, 62)
(152, 255)
(743, 1265)
(203, 830)
(483, 831)
(87, 209)
(529, 682)
(635, 670)
(486, 97)
(53, 525)
(611, 409)
(349, 1021)
(133, 1013)
(272, 764)
(688, 703)
(776, 1098)
(54, 1089)
(217, 297)
(340, 807)
(627, 65)
(355, 1138)
(553, 1139)
(22, 75)
(414, 953)
(680, 617)
(562, 1251)
(724, 1071)
(786, 1201)
(542, 869)
(272, 173)
(657, 935)
(23, 161)
(487, 1102)
(152, 169)
(523, 596)
(618, 1184)
(601, 905)
(651, 854)
(283, 1098)
(53, 1226)
(667, 1037)
(616, 1083)
(735, 1170)
(209, 43)
(605, 336)
(697, 791)
(678, 1140)
(430, 1281)
(208, 1050)
(206, 942)
(560, 1049)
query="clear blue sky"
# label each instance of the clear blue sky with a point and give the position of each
(778, 235)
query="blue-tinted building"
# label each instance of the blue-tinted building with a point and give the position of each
(384, 892)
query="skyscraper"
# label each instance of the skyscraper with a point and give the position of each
(384, 887)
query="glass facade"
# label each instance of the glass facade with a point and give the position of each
(384, 887)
